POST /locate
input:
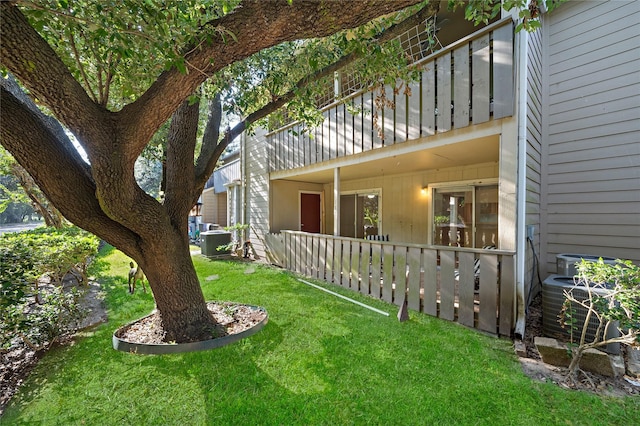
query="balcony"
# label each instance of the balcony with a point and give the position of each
(466, 83)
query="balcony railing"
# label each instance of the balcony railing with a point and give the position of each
(468, 82)
(474, 287)
(223, 175)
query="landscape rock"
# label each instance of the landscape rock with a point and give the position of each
(597, 362)
(593, 360)
(520, 348)
(633, 362)
(552, 352)
(617, 362)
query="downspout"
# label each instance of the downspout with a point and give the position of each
(243, 184)
(336, 172)
(336, 201)
(521, 184)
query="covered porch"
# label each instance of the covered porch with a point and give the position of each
(430, 222)
(404, 192)
(420, 206)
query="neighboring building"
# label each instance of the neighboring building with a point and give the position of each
(220, 198)
(524, 143)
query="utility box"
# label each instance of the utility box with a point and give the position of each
(211, 240)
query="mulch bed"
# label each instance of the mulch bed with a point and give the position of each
(232, 318)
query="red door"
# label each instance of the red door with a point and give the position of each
(310, 212)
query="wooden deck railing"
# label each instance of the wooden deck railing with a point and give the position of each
(468, 82)
(439, 281)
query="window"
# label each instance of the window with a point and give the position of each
(465, 215)
(360, 214)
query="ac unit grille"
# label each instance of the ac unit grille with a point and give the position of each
(552, 300)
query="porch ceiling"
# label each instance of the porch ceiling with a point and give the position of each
(393, 160)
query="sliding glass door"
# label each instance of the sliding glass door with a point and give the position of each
(360, 214)
(465, 215)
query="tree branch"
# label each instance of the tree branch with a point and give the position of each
(81, 67)
(48, 158)
(207, 160)
(11, 85)
(181, 142)
(209, 157)
(30, 58)
(256, 25)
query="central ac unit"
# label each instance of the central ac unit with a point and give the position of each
(552, 300)
(566, 262)
(211, 241)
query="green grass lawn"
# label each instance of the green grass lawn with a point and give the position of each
(319, 360)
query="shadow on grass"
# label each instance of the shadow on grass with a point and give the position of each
(319, 360)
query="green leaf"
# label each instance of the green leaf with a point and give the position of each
(181, 65)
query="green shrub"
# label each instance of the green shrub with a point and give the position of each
(58, 252)
(24, 258)
(619, 304)
(16, 272)
(58, 314)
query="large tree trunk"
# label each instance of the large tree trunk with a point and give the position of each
(176, 289)
(179, 300)
(166, 254)
(110, 204)
(103, 196)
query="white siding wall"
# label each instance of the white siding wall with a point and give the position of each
(404, 207)
(592, 152)
(285, 200)
(256, 188)
(214, 207)
(534, 127)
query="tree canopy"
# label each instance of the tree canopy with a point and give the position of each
(114, 72)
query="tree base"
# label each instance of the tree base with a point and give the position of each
(236, 321)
